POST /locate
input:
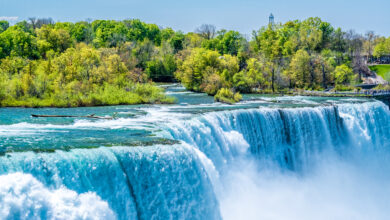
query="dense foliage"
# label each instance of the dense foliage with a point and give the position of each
(106, 62)
(85, 64)
(309, 54)
(382, 47)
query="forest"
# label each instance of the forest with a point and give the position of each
(107, 62)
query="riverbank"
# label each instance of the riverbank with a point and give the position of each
(53, 103)
(161, 94)
(106, 96)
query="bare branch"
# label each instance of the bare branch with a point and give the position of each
(207, 31)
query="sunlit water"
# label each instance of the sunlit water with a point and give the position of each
(265, 158)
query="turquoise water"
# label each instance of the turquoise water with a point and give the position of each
(265, 158)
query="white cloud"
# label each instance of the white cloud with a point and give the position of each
(12, 18)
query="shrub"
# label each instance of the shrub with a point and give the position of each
(227, 96)
(343, 88)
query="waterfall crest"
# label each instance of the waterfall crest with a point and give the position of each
(291, 136)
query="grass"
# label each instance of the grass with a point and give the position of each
(382, 70)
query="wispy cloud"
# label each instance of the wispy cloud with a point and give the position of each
(11, 18)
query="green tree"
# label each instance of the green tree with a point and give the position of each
(161, 70)
(382, 48)
(82, 32)
(250, 78)
(343, 75)
(300, 69)
(4, 25)
(269, 45)
(57, 40)
(200, 63)
(177, 41)
(226, 42)
(17, 42)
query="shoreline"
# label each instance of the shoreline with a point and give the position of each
(382, 95)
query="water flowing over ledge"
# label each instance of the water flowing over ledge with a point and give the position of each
(221, 167)
(138, 183)
(290, 136)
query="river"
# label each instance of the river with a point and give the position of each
(267, 157)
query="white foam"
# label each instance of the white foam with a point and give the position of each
(177, 92)
(335, 189)
(152, 117)
(24, 197)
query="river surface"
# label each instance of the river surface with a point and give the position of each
(267, 157)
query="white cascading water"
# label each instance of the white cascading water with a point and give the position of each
(266, 163)
(20, 193)
(296, 163)
(163, 182)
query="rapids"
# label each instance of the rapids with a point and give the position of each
(265, 158)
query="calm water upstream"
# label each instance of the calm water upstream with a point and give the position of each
(267, 157)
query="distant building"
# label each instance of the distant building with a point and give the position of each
(271, 19)
(385, 59)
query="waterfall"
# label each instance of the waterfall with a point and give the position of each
(163, 182)
(279, 163)
(292, 137)
(217, 169)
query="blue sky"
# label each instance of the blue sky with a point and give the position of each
(244, 15)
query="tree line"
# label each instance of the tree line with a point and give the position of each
(103, 62)
(47, 63)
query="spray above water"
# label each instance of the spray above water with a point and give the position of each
(297, 163)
